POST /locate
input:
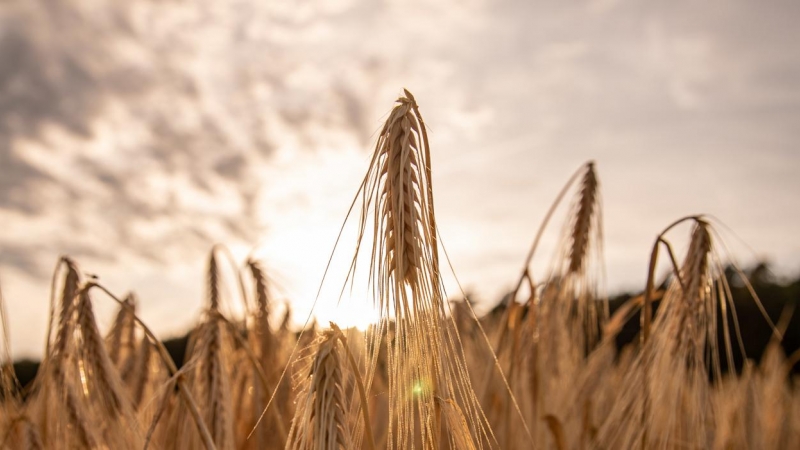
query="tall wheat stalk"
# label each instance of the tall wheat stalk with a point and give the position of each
(424, 357)
(210, 378)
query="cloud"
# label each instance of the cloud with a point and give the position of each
(134, 135)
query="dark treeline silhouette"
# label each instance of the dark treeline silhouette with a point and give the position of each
(778, 297)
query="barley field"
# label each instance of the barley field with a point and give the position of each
(543, 373)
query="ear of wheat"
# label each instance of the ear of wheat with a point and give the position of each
(264, 339)
(582, 220)
(56, 403)
(321, 419)
(668, 380)
(210, 378)
(121, 339)
(425, 358)
(266, 345)
(102, 384)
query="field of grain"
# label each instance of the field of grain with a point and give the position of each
(544, 373)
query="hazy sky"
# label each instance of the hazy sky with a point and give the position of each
(134, 135)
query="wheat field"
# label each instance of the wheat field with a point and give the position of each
(430, 374)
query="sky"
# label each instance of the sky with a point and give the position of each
(135, 135)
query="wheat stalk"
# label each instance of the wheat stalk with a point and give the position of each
(141, 373)
(264, 339)
(425, 358)
(57, 387)
(123, 335)
(459, 432)
(186, 396)
(68, 296)
(210, 379)
(97, 360)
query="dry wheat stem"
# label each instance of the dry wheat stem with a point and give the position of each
(647, 311)
(183, 390)
(97, 357)
(66, 313)
(543, 226)
(360, 385)
(71, 269)
(262, 377)
(122, 331)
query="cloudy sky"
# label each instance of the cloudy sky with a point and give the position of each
(135, 135)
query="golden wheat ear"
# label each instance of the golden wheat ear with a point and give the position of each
(120, 340)
(677, 398)
(424, 359)
(210, 377)
(176, 437)
(582, 273)
(264, 339)
(107, 383)
(134, 357)
(130, 355)
(264, 348)
(587, 206)
(321, 420)
(324, 418)
(69, 294)
(564, 319)
(670, 394)
(101, 382)
(56, 402)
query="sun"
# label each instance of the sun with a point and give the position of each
(351, 312)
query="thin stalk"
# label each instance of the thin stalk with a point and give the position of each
(542, 227)
(361, 391)
(261, 375)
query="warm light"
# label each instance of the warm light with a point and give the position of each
(352, 312)
(298, 244)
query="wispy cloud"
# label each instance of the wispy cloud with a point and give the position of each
(134, 135)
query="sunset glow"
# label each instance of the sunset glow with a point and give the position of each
(252, 127)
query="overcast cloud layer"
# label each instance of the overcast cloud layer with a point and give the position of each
(134, 135)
